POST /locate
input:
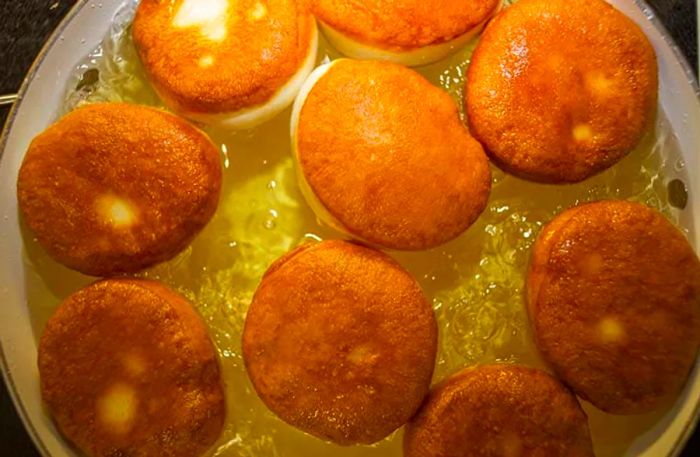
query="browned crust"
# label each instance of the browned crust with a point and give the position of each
(387, 155)
(647, 278)
(540, 253)
(403, 25)
(340, 342)
(499, 410)
(81, 354)
(169, 170)
(257, 57)
(543, 67)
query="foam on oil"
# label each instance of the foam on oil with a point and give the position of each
(475, 282)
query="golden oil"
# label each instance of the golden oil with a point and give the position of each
(475, 282)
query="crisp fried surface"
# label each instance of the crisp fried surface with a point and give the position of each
(340, 342)
(614, 300)
(497, 411)
(142, 336)
(402, 25)
(167, 171)
(387, 155)
(258, 55)
(544, 68)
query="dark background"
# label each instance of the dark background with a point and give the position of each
(26, 24)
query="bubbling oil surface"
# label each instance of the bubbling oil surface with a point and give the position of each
(475, 282)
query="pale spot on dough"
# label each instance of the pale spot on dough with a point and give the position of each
(611, 330)
(258, 12)
(116, 409)
(116, 211)
(206, 61)
(134, 364)
(592, 264)
(599, 83)
(210, 16)
(361, 354)
(582, 132)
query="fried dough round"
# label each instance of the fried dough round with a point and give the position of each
(499, 410)
(413, 32)
(114, 188)
(127, 368)
(614, 301)
(383, 156)
(235, 64)
(559, 90)
(340, 342)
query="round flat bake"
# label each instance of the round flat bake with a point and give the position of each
(340, 342)
(114, 188)
(127, 368)
(383, 156)
(409, 32)
(614, 300)
(499, 410)
(234, 64)
(559, 90)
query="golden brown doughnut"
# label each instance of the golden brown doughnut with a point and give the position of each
(559, 90)
(411, 32)
(127, 368)
(499, 411)
(340, 342)
(114, 188)
(235, 64)
(614, 301)
(384, 157)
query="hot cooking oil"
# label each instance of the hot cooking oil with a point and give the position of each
(475, 282)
